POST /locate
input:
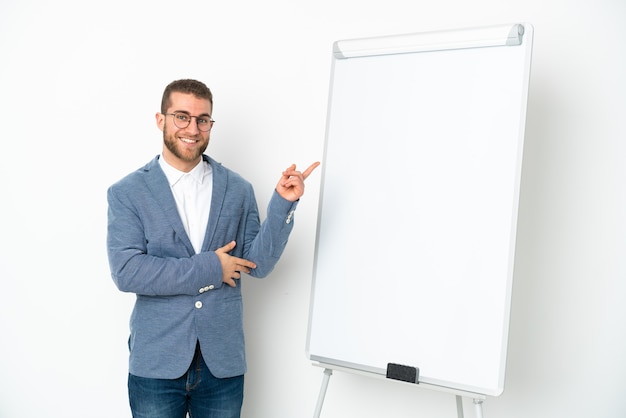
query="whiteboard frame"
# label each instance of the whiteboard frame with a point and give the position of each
(501, 35)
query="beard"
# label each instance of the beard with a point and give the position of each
(180, 152)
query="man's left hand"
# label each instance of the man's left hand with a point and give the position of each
(291, 184)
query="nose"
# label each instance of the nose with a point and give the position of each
(193, 125)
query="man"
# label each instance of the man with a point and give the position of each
(181, 230)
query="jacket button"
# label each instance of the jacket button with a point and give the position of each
(198, 304)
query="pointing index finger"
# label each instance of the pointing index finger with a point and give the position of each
(309, 170)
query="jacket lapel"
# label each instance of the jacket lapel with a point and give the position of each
(160, 189)
(220, 181)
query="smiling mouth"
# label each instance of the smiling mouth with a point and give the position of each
(188, 140)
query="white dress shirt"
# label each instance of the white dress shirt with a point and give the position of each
(192, 192)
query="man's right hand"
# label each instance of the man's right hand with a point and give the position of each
(232, 267)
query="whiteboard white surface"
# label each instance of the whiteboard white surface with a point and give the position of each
(418, 211)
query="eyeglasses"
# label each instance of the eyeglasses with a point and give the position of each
(182, 120)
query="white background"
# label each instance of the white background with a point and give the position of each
(80, 83)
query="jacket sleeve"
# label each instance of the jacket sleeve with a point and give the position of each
(265, 247)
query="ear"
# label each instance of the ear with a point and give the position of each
(160, 121)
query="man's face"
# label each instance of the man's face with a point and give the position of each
(183, 147)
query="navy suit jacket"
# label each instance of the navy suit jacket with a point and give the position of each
(180, 295)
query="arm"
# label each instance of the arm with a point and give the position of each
(144, 262)
(265, 246)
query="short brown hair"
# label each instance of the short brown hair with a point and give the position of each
(187, 86)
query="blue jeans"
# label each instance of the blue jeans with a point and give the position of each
(197, 392)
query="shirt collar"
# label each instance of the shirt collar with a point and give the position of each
(174, 175)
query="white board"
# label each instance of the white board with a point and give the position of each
(417, 219)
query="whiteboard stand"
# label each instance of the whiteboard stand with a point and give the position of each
(478, 406)
(322, 395)
(477, 399)
(459, 406)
